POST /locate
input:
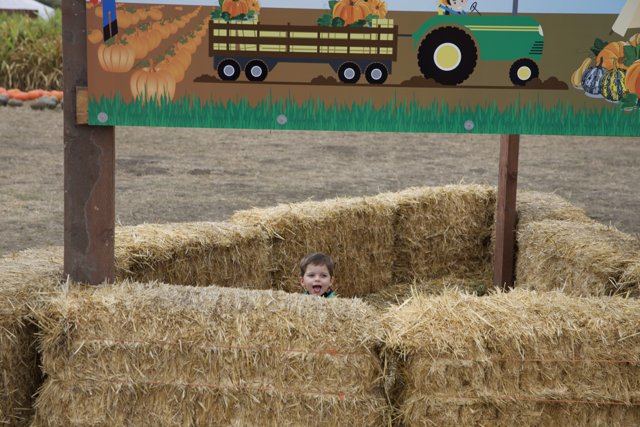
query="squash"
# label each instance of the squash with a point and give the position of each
(377, 8)
(633, 78)
(612, 85)
(116, 57)
(576, 77)
(351, 11)
(235, 7)
(613, 50)
(591, 80)
(148, 83)
(254, 5)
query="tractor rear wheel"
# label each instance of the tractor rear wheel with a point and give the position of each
(229, 69)
(448, 55)
(349, 73)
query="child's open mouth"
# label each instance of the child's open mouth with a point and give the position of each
(317, 288)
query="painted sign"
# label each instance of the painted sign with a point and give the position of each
(491, 66)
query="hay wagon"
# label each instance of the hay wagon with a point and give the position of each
(258, 48)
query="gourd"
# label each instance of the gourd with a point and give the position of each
(254, 5)
(235, 7)
(351, 11)
(591, 80)
(148, 83)
(614, 50)
(612, 85)
(576, 77)
(116, 57)
(633, 78)
(377, 8)
(635, 40)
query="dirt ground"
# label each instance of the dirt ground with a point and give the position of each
(182, 175)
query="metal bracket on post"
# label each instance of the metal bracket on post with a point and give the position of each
(504, 259)
(89, 165)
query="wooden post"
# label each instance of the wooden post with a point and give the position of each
(89, 163)
(506, 212)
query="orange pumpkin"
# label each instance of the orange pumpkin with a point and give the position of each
(149, 82)
(95, 36)
(155, 14)
(173, 67)
(254, 5)
(635, 40)
(235, 7)
(377, 7)
(116, 58)
(351, 11)
(614, 50)
(633, 78)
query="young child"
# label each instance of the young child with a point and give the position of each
(316, 275)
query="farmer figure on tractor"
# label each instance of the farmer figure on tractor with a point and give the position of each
(452, 7)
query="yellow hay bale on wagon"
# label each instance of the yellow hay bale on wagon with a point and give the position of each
(536, 206)
(27, 279)
(356, 232)
(197, 254)
(517, 359)
(579, 258)
(441, 230)
(156, 354)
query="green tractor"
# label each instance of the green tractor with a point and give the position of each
(449, 46)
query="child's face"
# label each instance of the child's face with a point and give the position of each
(316, 279)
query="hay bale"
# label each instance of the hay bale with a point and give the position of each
(533, 206)
(356, 232)
(27, 279)
(155, 354)
(442, 230)
(197, 254)
(579, 258)
(475, 283)
(630, 280)
(522, 358)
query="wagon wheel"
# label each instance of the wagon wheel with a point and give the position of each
(448, 55)
(256, 70)
(229, 70)
(376, 73)
(349, 73)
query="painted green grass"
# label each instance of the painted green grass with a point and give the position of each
(408, 116)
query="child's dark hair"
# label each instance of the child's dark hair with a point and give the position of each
(316, 258)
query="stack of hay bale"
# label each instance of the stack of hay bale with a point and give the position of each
(28, 280)
(523, 358)
(154, 354)
(559, 247)
(196, 352)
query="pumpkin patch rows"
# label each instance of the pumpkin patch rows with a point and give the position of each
(613, 73)
(154, 73)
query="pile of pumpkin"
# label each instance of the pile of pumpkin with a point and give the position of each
(157, 79)
(236, 10)
(43, 98)
(118, 54)
(615, 74)
(353, 13)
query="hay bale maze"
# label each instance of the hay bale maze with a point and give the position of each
(206, 324)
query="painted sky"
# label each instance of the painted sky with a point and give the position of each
(505, 6)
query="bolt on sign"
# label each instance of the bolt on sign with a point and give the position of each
(491, 66)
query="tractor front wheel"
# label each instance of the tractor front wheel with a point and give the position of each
(448, 55)
(523, 71)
